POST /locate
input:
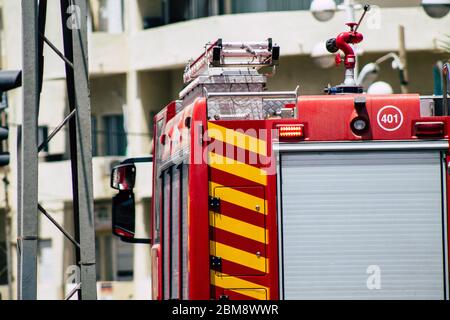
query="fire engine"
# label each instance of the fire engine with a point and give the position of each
(275, 195)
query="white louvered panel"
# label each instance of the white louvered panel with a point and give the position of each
(344, 212)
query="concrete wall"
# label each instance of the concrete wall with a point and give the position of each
(395, 3)
(297, 32)
(301, 70)
(4, 292)
(159, 87)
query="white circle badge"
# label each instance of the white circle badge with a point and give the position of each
(390, 118)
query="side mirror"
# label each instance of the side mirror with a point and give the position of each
(123, 177)
(124, 215)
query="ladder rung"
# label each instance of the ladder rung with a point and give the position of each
(253, 44)
(244, 53)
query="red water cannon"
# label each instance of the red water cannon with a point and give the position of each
(344, 42)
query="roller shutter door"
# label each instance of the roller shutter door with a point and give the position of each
(362, 225)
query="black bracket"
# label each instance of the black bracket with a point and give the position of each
(136, 240)
(343, 89)
(216, 261)
(224, 297)
(214, 203)
(360, 102)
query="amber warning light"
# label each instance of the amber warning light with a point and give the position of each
(290, 131)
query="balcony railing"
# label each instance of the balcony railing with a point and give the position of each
(171, 11)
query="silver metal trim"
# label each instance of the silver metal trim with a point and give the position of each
(438, 96)
(445, 225)
(251, 57)
(445, 71)
(363, 145)
(273, 94)
(280, 229)
(248, 44)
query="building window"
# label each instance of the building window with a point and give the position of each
(115, 136)
(94, 136)
(114, 257)
(103, 251)
(46, 261)
(151, 124)
(102, 215)
(124, 260)
(156, 13)
(43, 136)
(106, 15)
(245, 6)
(47, 277)
(182, 10)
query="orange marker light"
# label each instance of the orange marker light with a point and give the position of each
(291, 131)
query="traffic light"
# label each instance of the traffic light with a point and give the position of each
(8, 80)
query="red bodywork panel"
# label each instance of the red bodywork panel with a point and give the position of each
(324, 119)
(328, 117)
(198, 239)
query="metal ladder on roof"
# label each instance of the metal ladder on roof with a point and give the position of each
(241, 55)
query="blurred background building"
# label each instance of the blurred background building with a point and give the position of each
(137, 52)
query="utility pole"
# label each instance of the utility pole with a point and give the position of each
(8, 217)
(8, 234)
(75, 56)
(28, 166)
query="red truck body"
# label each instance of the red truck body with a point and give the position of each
(219, 205)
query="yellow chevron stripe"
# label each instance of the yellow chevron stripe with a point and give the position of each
(239, 285)
(250, 260)
(238, 198)
(238, 227)
(237, 168)
(237, 139)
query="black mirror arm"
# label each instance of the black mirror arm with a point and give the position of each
(136, 241)
(137, 160)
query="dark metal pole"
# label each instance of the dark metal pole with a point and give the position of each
(19, 209)
(8, 224)
(28, 215)
(68, 52)
(76, 50)
(84, 156)
(74, 21)
(42, 15)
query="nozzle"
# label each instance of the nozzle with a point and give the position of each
(331, 45)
